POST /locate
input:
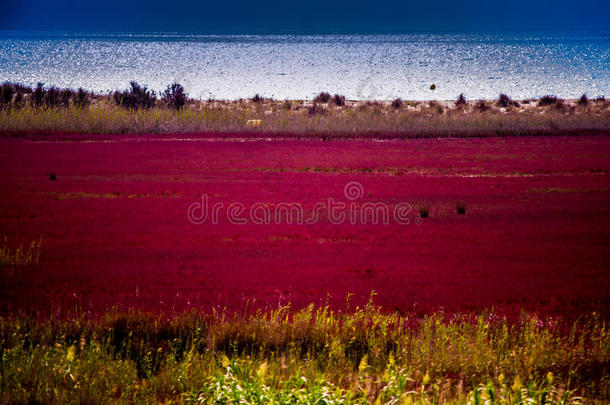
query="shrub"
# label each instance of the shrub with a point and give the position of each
(584, 100)
(316, 109)
(81, 99)
(38, 95)
(135, 98)
(11, 94)
(6, 95)
(52, 176)
(51, 97)
(18, 101)
(257, 98)
(433, 87)
(600, 99)
(505, 101)
(323, 97)
(460, 208)
(461, 100)
(174, 96)
(64, 97)
(547, 100)
(397, 104)
(482, 106)
(339, 100)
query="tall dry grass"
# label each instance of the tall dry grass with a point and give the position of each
(352, 119)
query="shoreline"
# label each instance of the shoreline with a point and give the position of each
(27, 111)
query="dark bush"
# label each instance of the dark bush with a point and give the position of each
(339, 100)
(397, 104)
(52, 176)
(20, 88)
(38, 95)
(64, 97)
(18, 101)
(81, 99)
(424, 212)
(505, 101)
(482, 106)
(584, 100)
(51, 97)
(461, 100)
(600, 99)
(137, 97)
(323, 97)
(316, 109)
(257, 98)
(174, 96)
(547, 100)
(6, 95)
(433, 87)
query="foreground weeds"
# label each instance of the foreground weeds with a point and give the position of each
(314, 355)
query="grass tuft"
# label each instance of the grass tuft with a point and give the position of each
(19, 256)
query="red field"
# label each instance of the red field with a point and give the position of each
(536, 233)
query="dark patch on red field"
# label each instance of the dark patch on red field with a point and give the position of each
(535, 234)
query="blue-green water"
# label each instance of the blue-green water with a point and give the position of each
(521, 65)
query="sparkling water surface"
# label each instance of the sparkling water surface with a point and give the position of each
(381, 67)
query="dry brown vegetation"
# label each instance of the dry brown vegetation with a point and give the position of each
(313, 118)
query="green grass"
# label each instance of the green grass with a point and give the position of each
(313, 355)
(355, 118)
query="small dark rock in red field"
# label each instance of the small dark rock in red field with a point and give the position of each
(461, 208)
